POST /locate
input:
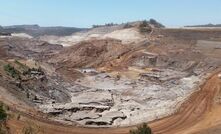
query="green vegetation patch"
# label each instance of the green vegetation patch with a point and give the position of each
(3, 114)
(144, 27)
(143, 129)
(12, 71)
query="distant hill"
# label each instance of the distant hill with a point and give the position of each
(36, 30)
(153, 22)
(206, 25)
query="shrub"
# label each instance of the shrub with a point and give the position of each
(127, 25)
(31, 129)
(3, 129)
(144, 27)
(12, 71)
(3, 114)
(22, 66)
(144, 24)
(143, 129)
(28, 130)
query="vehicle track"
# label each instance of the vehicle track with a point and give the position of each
(192, 111)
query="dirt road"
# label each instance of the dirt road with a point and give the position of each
(198, 114)
(195, 114)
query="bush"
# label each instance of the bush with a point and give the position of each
(3, 129)
(22, 66)
(28, 130)
(127, 25)
(3, 114)
(144, 129)
(31, 129)
(144, 27)
(105, 25)
(12, 71)
(144, 24)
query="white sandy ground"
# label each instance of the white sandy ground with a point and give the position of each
(20, 35)
(125, 35)
(138, 101)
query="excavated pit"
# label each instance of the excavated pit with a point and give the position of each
(107, 83)
(103, 99)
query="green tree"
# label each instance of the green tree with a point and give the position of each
(156, 23)
(143, 129)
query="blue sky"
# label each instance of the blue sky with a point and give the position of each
(84, 13)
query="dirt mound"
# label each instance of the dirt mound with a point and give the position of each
(130, 32)
(91, 53)
(129, 35)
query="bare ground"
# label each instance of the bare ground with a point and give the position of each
(199, 113)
